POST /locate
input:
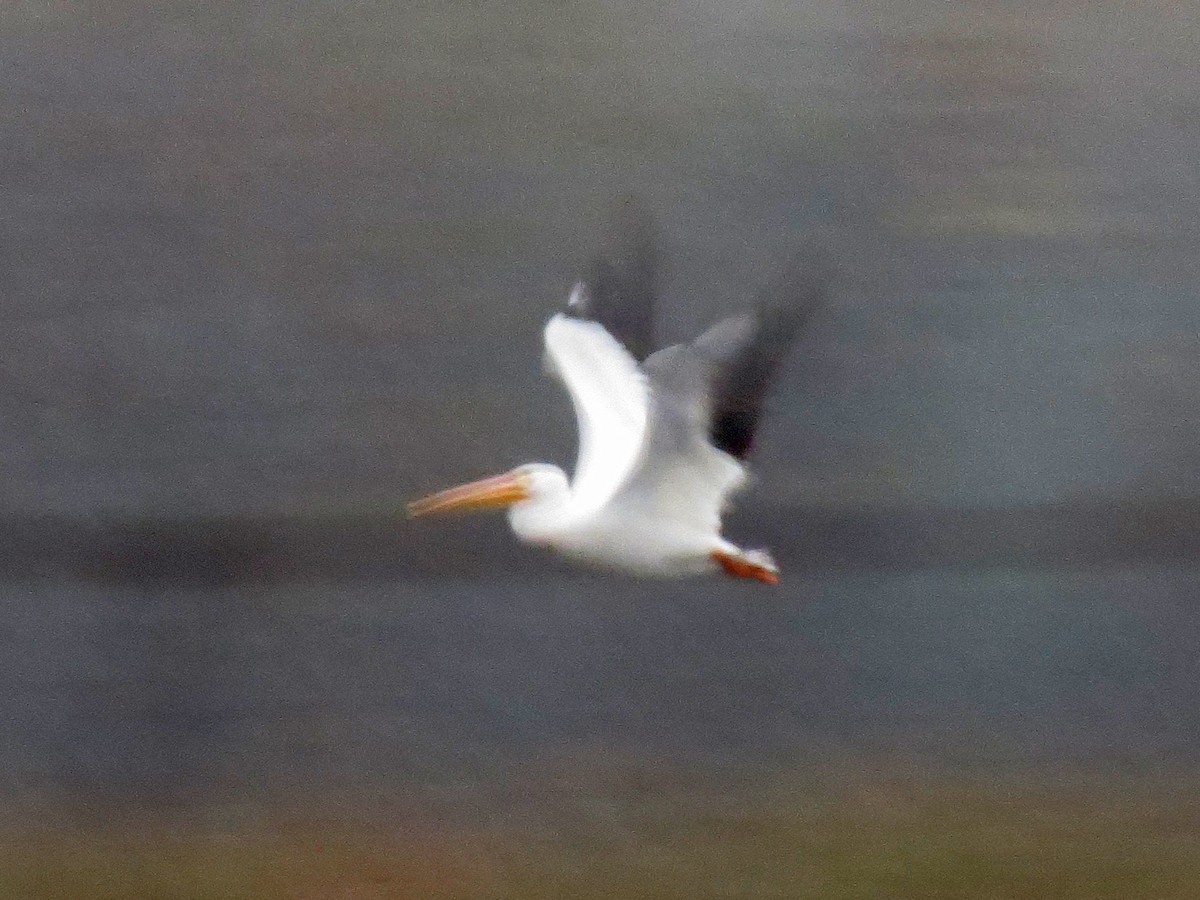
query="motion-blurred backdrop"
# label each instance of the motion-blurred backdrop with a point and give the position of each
(271, 268)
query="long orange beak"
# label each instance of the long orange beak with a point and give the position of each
(490, 493)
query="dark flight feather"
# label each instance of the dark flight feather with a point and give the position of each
(619, 286)
(745, 352)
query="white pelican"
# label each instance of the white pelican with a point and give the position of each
(661, 444)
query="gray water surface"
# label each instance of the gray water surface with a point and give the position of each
(274, 696)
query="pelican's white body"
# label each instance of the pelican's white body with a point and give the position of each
(649, 488)
(634, 543)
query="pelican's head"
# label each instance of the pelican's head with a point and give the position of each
(531, 485)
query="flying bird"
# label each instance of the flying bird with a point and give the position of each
(662, 435)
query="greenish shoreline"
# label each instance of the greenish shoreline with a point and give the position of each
(844, 833)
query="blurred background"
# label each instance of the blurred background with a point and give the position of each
(271, 268)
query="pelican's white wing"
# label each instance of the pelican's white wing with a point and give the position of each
(680, 480)
(610, 397)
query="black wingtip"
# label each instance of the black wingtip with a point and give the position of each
(748, 357)
(734, 432)
(620, 283)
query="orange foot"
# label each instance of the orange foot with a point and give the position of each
(740, 567)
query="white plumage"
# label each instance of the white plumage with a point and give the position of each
(648, 487)
(660, 442)
(610, 395)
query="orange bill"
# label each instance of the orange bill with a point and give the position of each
(490, 493)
